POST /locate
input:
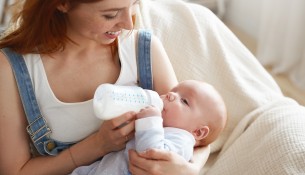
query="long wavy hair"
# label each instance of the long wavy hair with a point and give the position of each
(39, 27)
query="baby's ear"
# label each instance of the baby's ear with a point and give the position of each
(201, 133)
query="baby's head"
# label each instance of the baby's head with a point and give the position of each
(196, 107)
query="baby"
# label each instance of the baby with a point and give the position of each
(194, 114)
(192, 106)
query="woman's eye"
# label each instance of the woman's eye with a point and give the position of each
(184, 101)
(109, 17)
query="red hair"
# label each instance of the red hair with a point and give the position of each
(41, 27)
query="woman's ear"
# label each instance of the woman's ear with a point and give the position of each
(201, 133)
(64, 7)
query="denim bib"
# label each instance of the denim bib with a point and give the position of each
(144, 60)
(37, 126)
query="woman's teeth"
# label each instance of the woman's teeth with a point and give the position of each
(113, 33)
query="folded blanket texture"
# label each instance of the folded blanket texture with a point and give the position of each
(265, 133)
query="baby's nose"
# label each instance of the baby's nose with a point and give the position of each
(170, 96)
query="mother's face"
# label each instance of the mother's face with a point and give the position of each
(101, 21)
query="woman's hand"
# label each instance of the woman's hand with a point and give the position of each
(113, 134)
(156, 161)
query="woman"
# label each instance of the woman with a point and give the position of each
(70, 47)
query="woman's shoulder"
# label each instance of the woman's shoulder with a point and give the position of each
(7, 80)
(5, 66)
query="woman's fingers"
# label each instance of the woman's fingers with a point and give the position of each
(114, 138)
(126, 129)
(136, 164)
(156, 154)
(123, 120)
(156, 161)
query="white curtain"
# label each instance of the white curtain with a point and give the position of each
(5, 12)
(281, 41)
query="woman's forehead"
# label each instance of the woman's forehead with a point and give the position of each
(106, 4)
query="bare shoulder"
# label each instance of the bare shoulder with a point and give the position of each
(7, 80)
(3, 61)
(12, 121)
(5, 68)
(163, 72)
(6, 73)
(8, 86)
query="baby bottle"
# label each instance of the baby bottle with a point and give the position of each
(110, 100)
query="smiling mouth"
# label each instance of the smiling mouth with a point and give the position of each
(113, 33)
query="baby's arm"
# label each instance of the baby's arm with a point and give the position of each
(151, 134)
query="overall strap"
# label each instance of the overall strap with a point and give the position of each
(144, 60)
(37, 128)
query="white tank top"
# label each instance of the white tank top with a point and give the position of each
(71, 122)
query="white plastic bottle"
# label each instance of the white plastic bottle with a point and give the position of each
(110, 100)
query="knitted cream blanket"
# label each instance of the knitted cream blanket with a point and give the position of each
(265, 133)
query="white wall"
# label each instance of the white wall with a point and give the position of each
(5, 11)
(244, 14)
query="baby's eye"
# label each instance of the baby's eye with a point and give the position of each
(184, 101)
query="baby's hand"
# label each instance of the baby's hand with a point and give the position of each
(148, 112)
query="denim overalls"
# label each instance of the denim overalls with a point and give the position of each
(38, 128)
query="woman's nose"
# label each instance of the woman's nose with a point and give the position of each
(127, 21)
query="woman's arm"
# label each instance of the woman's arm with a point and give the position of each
(200, 157)
(163, 73)
(156, 161)
(15, 156)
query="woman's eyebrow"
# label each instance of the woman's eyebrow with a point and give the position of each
(117, 9)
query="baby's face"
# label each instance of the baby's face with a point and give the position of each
(184, 106)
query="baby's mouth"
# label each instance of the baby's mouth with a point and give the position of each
(163, 112)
